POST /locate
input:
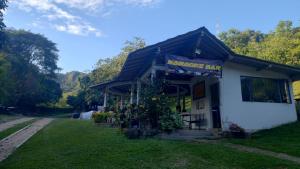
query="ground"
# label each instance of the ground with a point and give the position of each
(81, 144)
(11, 130)
(5, 118)
(283, 139)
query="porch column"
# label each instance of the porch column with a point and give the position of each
(183, 103)
(153, 75)
(131, 93)
(121, 102)
(178, 99)
(105, 97)
(138, 90)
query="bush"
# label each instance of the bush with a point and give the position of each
(102, 117)
(170, 121)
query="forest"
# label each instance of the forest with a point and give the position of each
(29, 75)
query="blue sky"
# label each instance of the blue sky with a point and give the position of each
(87, 30)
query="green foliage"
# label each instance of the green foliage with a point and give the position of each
(3, 6)
(170, 121)
(102, 117)
(108, 68)
(69, 82)
(296, 86)
(239, 40)
(30, 70)
(281, 45)
(157, 108)
(4, 76)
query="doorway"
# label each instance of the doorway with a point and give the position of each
(215, 105)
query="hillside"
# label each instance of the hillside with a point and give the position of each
(70, 85)
(69, 81)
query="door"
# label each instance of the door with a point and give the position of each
(215, 105)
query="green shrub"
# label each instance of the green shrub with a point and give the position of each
(170, 121)
(102, 117)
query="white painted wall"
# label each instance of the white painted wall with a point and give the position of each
(251, 115)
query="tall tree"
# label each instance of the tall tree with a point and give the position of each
(281, 45)
(3, 6)
(33, 72)
(108, 68)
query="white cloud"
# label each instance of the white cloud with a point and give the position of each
(78, 29)
(59, 12)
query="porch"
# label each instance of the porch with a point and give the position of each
(193, 91)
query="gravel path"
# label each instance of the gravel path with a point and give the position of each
(6, 125)
(15, 140)
(281, 156)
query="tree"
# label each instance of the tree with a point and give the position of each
(3, 6)
(4, 68)
(108, 68)
(33, 74)
(239, 40)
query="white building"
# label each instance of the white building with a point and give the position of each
(224, 87)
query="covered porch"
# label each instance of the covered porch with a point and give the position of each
(192, 86)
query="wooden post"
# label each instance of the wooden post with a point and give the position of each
(183, 103)
(131, 93)
(178, 99)
(121, 102)
(138, 90)
(153, 72)
(105, 97)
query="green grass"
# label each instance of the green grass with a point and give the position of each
(75, 144)
(11, 130)
(283, 139)
(4, 118)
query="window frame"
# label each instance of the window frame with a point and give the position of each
(286, 82)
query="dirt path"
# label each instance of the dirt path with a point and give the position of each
(15, 140)
(6, 125)
(281, 156)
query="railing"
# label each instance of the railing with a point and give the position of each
(192, 118)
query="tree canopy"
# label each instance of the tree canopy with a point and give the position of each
(28, 69)
(3, 6)
(281, 45)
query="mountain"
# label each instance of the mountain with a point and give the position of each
(69, 81)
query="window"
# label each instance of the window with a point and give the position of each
(265, 90)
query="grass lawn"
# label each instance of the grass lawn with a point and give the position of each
(284, 139)
(11, 130)
(4, 118)
(74, 144)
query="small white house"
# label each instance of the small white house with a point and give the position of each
(224, 87)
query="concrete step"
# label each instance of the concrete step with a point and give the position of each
(188, 135)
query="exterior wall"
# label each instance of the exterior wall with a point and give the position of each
(251, 115)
